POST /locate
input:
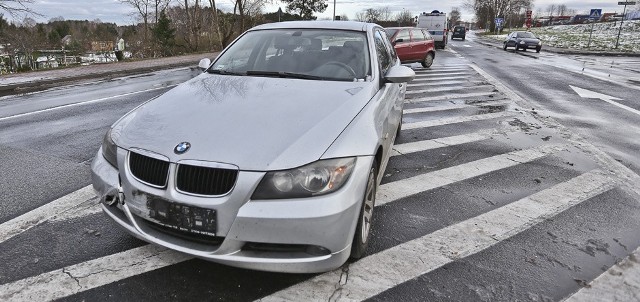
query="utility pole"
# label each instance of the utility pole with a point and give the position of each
(334, 10)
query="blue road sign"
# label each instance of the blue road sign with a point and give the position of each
(596, 13)
(499, 21)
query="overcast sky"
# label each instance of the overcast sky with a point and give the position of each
(114, 11)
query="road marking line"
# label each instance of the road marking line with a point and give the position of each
(456, 120)
(455, 106)
(429, 181)
(441, 79)
(436, 83)
(619, 283)
(450, 96)
(379, 272)
(44, 213)
(84, 102)
(584, 93)
(443, 74)
(90, 274)
(425, 145)
(444, 89)
(431, 71)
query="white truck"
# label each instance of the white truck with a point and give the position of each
(436, 23)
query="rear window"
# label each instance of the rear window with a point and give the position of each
(458, 29)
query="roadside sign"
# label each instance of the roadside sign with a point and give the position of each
(627, 3)
(595, 13)
(499, 21)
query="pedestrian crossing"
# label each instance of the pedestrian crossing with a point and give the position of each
(516, 138)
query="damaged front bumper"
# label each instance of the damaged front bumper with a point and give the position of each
(294, 235)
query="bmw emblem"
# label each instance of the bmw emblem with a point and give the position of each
(182, 148)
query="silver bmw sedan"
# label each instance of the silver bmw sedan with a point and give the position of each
(269, 159)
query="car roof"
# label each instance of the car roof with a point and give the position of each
(346, 25)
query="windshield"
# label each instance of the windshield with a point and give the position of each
(526, 35)
(298, 53)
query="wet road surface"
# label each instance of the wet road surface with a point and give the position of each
(485, 198)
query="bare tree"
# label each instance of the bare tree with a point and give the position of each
(17, 7)
(551, 9)
(404, 18)
(385, 14)
(143, 7)
(454, 16)
(562, 9)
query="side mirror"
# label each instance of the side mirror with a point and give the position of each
(204, 64)
(397, 41)
(399, 74)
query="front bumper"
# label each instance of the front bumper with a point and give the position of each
(294, 235)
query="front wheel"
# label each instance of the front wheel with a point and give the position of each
(504, 46)
(428, 60)
(538, 50)
(363, 228)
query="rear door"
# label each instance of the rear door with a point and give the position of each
(418, 44)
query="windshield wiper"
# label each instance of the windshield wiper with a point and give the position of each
(284, 74)
(225, 72)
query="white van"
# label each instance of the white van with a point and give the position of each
(436, 23)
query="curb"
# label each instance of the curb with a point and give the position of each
(39, 85)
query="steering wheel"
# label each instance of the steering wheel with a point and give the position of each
(343, 66)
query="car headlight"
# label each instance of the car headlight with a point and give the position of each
(109, 149)
(318, 178)
(522, 42)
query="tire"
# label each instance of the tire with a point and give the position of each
(505, 46)
(365, 219)
(538, 50)
(428, 60)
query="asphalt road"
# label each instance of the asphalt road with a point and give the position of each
(485, 199)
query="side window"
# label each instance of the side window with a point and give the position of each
(384, 58)
(417, 35)
(404, 35)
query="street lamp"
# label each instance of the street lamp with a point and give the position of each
(279, 13)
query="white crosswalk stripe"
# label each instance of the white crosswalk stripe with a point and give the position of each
(425, 182)
(456, 120)
(47, 212)
(376, 273)
(445, 89)
(451, 107)
(449, 96)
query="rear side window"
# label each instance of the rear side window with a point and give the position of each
(417, 35)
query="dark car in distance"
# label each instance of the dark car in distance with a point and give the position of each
(459, 32)
(522, 40)
(413, 45)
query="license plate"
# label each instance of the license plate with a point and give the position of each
(182, 217)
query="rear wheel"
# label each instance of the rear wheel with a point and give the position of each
(428, 60)
(363, 228)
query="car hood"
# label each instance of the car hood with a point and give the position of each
(255, 123)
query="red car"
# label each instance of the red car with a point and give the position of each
(412, 45)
